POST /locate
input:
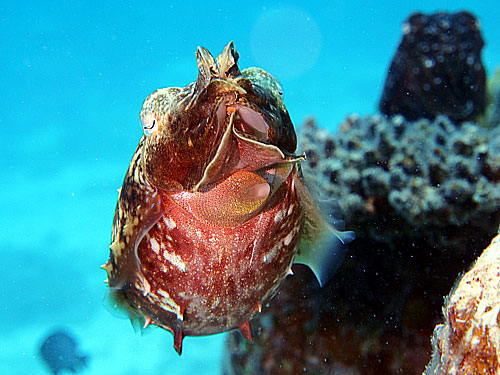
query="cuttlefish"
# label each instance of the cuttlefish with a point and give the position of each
(214, 209)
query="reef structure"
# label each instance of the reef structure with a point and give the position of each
(469, 340)
(437, 69)
(397, 179)
(423, 197)
(420, 186)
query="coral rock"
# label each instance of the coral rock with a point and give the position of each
(437, 69)
(399, 179)
(469, 340)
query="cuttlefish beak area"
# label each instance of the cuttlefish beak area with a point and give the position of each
(230, 202)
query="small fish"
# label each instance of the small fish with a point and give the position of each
(60, 352)
(213, 210)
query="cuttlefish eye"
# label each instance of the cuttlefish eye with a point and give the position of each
(149, 124)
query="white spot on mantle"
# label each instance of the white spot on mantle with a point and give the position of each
(169, 222)
(289, 238)
(279, 216)
(154, 245)
(169, 304)
(176, 260)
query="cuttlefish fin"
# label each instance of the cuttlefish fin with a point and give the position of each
(322, 247)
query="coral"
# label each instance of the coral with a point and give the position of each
(396, 178)
(437, 69)
(469, 340)
(422, 197)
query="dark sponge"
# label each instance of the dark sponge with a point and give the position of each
(437, 69)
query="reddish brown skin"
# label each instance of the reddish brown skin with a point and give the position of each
(227, 280)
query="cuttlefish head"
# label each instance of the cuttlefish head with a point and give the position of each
(227, 121)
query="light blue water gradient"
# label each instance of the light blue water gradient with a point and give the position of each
(73, 78)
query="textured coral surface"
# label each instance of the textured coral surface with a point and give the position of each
(430, 181)
(469, 341)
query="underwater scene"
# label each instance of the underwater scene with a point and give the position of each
(256, 188)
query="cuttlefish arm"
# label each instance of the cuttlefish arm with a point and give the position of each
(138, 209)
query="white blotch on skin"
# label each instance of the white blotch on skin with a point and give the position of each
(176, 260)
(169, 304)
(288, 238)
(169, 222)
(272, 253)
(154, 245)
(279, 216)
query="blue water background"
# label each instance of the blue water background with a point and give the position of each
(73, 78)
